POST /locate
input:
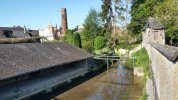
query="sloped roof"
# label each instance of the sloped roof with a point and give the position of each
(19, 59)
(18, 32)
(153, 23)
(18, 28)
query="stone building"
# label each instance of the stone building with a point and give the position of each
(153, 32)
(50, 33)
(17, 32)
(30, 68)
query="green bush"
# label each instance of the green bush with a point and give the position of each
(69, 37)
(99, 43)
(87, 45)
(127, 46)
(142, 59)
(77, 40)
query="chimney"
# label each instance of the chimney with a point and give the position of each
(64, 20)
(25, 30)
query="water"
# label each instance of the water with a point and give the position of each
(118, 84)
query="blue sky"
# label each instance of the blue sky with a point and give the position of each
(37, 14)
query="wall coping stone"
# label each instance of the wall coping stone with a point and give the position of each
(170, 52)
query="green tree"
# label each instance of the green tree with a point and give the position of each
(88, 46)
(77, 40)
(167, 12)
(99, 43)
(141, 10)
(92, 25)
(69, 37)
(106, 16)
(92, 28)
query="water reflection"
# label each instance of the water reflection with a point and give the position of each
(117, 84)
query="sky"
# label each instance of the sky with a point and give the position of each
(37, 14)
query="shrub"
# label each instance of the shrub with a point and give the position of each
(77, 40)
(99, 43)
(87, 45)
(142, 59)
(69, 38)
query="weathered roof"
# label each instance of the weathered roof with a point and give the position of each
(153, 23)
(18, 28)
(18, 32)
(19, 59)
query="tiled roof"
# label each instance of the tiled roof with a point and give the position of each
(18, 28)
(19, 59)
(18, 32)
(153, 23)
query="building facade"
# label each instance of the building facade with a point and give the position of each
(153, 32)
(50, 33)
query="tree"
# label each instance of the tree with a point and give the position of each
(88, 46)
(106, 16)
(168, 14)
(77, 40)
(165, 10)
(92, 25)
(92, 28)
(99, 42)
(69, 37)
(141, 10)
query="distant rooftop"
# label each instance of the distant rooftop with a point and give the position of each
(153, 23)
(19, 59)
(18, 32)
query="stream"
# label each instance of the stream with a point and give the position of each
(118, 83)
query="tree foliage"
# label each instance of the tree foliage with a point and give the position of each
(88, 46)
(168, 14)
(92, 28)
(99, 42)
(106, 16)
(69, 38)
(141, 10)
(72, 38)
(165, 10)
(92, 25)
(142, 58)
(77, 40)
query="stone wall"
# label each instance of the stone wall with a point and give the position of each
(164, 65)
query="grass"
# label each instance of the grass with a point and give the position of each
(142, 58)
(19, 40)
(127, 46)
(142, 61)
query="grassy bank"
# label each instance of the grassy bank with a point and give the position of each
(142, 61)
